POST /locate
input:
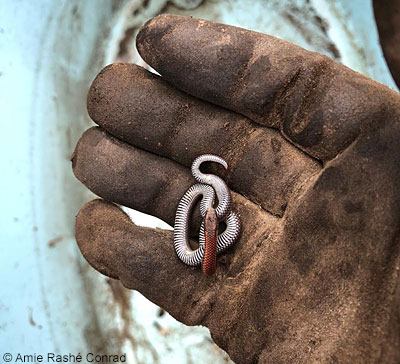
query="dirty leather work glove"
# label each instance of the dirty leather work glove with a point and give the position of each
(314, 168)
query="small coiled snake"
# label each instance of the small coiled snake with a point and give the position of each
(210, 242)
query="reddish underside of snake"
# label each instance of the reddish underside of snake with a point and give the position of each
(211, 236)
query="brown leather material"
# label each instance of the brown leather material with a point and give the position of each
(306, 95)
(387, 15)
(316, 281)
(145, 111)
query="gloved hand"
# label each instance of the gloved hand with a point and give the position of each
(314, 166)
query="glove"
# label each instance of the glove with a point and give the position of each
(314, 168)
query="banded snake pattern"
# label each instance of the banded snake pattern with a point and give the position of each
(210, 187)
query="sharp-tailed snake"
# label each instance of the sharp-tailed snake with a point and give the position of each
(209, 187)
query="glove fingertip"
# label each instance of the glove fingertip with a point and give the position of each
(91, 222)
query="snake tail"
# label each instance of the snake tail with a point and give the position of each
(211, 236)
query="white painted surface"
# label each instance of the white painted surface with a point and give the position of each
(50, 299)
(47, 60)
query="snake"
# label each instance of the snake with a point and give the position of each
(210, 188)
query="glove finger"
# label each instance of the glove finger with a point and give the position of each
(144, 259)
(141, 180)
(141, 258)
(387, 15)
(145, 111)
(130, 176)
(317, 104)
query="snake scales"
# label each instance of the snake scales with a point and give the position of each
(209, 187)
